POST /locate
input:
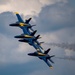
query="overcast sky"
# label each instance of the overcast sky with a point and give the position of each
(55, 22)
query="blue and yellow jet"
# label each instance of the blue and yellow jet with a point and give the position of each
(28, 37)
(43, 56)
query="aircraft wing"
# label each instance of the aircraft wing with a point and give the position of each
(19, 18)
(47, 62)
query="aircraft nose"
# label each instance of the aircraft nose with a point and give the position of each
(30, 54)
(11, 25)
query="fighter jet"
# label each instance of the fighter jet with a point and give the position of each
(23, 25)
(31, 41)
(43, 56)
(26, 33)
(29, 37)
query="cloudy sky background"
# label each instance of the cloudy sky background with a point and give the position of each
(55, 22)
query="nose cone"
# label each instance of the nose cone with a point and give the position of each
(11, 25)
(15, 36)
(14, 24)
(31, 54)
(20, 36)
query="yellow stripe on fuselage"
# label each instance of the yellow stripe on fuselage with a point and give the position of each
(28, 36)
(21, 24)
(41, 54)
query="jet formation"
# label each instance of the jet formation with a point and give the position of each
(29, 37)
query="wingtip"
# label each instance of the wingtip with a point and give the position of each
(16, 13)
(51, 67)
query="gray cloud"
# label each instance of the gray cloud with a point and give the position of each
(3, 2)
(7, 18)
(19, 69)
(14, 54)
(56, 17)
(31, 7)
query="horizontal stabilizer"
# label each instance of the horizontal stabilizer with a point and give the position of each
(41, 43)
(46, 52)
(51, 61)
(30, 26)
(52, 56)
